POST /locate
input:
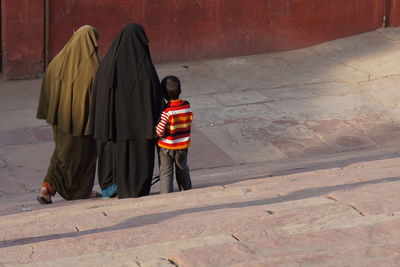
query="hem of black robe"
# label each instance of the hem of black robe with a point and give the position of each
(130, 196)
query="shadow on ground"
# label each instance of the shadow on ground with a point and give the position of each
(156, 218)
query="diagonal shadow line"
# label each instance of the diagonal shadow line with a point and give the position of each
(307, 167)
(155, 218)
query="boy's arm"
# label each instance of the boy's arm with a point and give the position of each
(160, 127)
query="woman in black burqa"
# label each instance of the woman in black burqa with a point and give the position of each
(126, 104)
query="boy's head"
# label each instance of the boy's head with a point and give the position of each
(172, 87)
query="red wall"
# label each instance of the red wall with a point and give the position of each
(190, 30)
(393, 13)
(22, 38)
(181, 30)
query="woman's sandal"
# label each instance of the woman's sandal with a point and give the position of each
(43, 200)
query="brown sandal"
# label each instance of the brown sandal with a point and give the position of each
(43, 200)
(44, 197)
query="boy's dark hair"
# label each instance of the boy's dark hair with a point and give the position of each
(172, 87)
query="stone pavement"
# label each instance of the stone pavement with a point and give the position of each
(339, 216)
(272, 133)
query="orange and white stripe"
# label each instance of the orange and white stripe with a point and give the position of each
(175, 125)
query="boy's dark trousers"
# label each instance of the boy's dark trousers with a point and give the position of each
(168, 158)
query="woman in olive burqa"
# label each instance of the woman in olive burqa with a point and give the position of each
(126, 106)
(65, 104)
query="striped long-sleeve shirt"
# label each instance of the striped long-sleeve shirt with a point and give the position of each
(175, 124)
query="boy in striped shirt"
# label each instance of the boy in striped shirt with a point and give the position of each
(173, 131)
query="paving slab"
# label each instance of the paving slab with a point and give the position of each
(284, 69)
(340, 135)
(232, 114)
(17, 136)
(294, 161)
(211, 156)
(308, 90)
(377, 59)
(327, 107)
(25, 117)
(248, 221)
(385, 91)
(242, 146)
(17, 95)
(294, 139)
(383, 130)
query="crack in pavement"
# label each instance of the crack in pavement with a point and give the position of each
(200, 231)
(378, 79)
(387, 37)
(3, 163)
(342, 63)
(32, 252)
(357, 209)
(263, 89)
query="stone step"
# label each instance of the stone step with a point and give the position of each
(219, 220)
(155, 254)
(353, 246)
(277, 189)
(268, 247)
(231, 175)
(310, 182)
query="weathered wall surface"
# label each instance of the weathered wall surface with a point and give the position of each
(189, 30)
(22, 38)
(181, 30)
(393, 13)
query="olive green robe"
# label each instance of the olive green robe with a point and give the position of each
(65, 103)
(72, 165)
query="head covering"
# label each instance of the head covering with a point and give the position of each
(126, 92)
(65, 95)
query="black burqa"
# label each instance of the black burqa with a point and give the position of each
(126, 105)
